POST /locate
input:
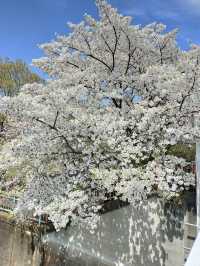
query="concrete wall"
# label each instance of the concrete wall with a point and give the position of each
(150, 234)
(16, 247)
(147, 235)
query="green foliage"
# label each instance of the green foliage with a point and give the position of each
(2, 141)
(3, 118)
(13, 75)
(184, 151)
(11, 172)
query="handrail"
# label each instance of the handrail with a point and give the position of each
(8, 207)
(193, 259)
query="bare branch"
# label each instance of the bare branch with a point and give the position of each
(92, 56)
(107, 44)
(191, 88)
(61, 135)
(72, 64)
(56, 118)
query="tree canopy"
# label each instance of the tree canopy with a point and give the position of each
(120, 96)
(13, 75)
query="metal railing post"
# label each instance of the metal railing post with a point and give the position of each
(198, 184)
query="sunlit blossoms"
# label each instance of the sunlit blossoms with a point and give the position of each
(100, 129)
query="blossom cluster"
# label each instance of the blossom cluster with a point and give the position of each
(119, 96)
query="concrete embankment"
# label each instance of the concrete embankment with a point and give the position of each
(151, 234)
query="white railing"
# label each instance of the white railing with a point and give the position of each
(198, 183)
(194, 257)
(8, 204)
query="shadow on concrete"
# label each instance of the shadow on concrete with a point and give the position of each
(149, 234)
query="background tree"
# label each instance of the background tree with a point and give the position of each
(13, 75)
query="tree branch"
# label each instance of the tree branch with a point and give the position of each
(61, 135)
(92, 56)
(56, 118)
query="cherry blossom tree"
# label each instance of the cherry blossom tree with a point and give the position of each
(119, 96)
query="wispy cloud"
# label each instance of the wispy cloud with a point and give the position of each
(153, 9)
(182, 14)
(135, 12)
(168, 14)
(192, 6)
(174, 10)
(194, 3)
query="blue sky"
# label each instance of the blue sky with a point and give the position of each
(26, 23)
